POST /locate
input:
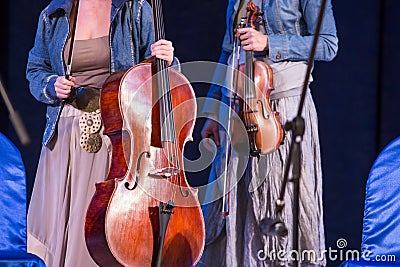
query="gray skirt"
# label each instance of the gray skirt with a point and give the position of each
(236, 240)
(64, 186)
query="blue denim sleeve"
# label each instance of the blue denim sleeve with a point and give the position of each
(296, 47)
(147, 31)
(39, 71)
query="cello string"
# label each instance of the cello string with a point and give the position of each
(160, 81)
(166, 101)
(170, 124)
(163, 78)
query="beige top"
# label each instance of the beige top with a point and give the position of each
(90, 61)
(66, 175)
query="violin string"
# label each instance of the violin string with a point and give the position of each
(245, 79)
(249, 79)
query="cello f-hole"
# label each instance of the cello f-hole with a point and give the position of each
(186, 194)
(127, 185)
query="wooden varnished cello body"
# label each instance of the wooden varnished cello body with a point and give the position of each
(145, 213)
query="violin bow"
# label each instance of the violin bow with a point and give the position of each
(71, 46)
(74, 17)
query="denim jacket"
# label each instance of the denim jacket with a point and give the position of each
(131, 34)
(290, 25)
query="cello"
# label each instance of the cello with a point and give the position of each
(145, 213)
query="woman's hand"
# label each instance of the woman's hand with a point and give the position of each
(163, 49)
(210, 130)
(63, 86)
(252, 39)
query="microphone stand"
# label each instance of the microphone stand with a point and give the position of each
(277, 227)
(15, 118)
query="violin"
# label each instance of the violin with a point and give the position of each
(146, 213)
(252, 84)
(265, 132)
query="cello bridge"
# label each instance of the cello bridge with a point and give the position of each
(164, 173)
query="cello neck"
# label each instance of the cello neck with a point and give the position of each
(158, 20)
(162, 81)
(159, 32)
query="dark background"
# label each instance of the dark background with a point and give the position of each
(356, 94)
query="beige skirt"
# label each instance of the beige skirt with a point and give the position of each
(64, 186)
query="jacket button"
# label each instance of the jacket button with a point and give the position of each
(278, 56)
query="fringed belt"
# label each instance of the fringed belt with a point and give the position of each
(87, 99)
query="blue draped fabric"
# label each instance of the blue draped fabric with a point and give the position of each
(367, 263)
(13, 208)
(381, 227)
(12, 198)
(19, 259)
